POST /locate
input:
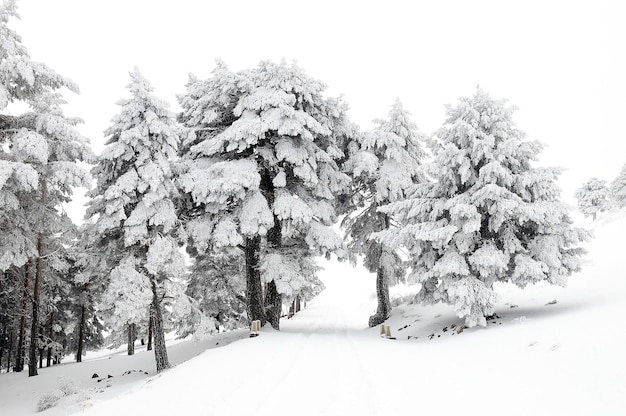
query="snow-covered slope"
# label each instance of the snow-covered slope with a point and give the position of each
(551, 351)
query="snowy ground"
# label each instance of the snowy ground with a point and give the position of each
(539, 357)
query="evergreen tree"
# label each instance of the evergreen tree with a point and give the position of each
(261, 173)
(38, 169)
(217, 285)
(136, 216)
(386, 164)
(618, 189)
(489, 216)
(593, 197)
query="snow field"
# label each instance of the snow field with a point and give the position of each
(535, 358)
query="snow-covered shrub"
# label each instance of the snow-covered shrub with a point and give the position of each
(49, 400)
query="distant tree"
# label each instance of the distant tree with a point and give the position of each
(593, 197)
(260, 172)
(134, 204)
(386, 163)
(489, 215)
(618, 189)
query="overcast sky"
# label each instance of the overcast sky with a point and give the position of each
(562, 63)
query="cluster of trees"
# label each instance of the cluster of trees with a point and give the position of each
(249, 179)
(596, 195)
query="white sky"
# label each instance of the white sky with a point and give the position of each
(563, 63)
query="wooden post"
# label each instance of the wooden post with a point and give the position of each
(382, 330)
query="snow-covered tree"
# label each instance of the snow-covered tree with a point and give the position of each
(216, 285)
(593, 197)
(618, 189)
(489, 215)
(134, 205)
(260, 172)
(386, 163)
(39, 151)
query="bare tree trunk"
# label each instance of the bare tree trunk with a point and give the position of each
(382, 293)
(50, 336)
(297, 303)
(254, 293)
(131, 339)
(273, 300)
(10, 350)
(81, 335)
(32, 356)
(160, 349)
(150, 324)
(41, 350)
(19, 359)
(274, 303)
(32, 367)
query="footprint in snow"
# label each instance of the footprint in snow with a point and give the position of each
(532, 343)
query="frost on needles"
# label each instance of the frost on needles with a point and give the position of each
(260, 173)
(487, 216)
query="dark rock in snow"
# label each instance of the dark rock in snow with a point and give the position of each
(95, 375)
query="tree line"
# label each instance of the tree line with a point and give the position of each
(248, 180)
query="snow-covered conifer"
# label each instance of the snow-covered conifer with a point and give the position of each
(134, 205)
(593, 197)
(38, 154)
(489, 215)
(618, 189)
(386, 163)
(260, 171)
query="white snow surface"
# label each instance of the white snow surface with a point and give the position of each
(551, 351)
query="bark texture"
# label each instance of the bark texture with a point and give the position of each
(81, 335)
(132, 336)
(19, 359)
(50, 339)
(160, 349)
(149, 348)
(273, 300)
(254, 292)
(32, 356)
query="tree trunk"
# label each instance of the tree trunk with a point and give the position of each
(160, 349)
(19, 359)
(10, 350)
(297, 303)
(131, 339)
(81, 335)
(41, 350)
(149, 348)
(32, 356)
(32, 367)
(273, 300)
(254, 293)
(50, 336)
(384, 304)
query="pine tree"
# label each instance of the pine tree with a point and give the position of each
(618, 189)
(134, 201)
(489, 215)
(38, 162)
(386, 163)
(217, 286)
(593, 197)
(261, 173)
